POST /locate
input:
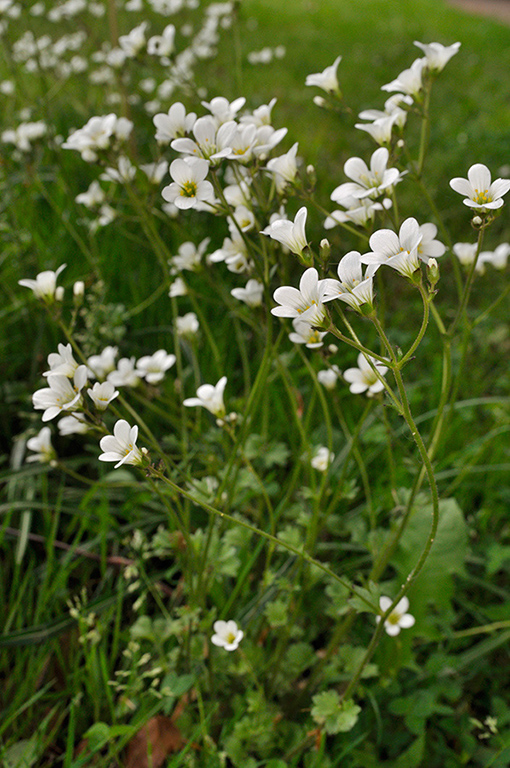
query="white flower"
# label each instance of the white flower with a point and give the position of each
(187, 325)
(328, 377)
(102, 394)
(162, 45)
(327, 79)
(397, 251)
(155, 171)
(267, 139)
(233, 252)
(177, 288)
(133, 42)
(173, 125)
(223, 110)
(226, 635)
(381, 129)
(465, 252)
(367, 182)
(306, 303)
(429, 247)
(364, 377)
(392, 107)
(304, 333)
(45, 284)
(497, 258)
(409, 81)
(210, 397)
(352, 287)
(75, 424)
(288, 233)
(41, 443)
(251, 294)
(126, 374)
(478, 190)
(211, 143)
(61, 394)
(189, 256)
(437, 55)
(93, 197)
(95, 135)
(360, 212)
(101, 365)
(284, 168)
(260, 116)
(121, 446)
(188, 187)
(398, 618)
(242, 219)
(125, 171)
(322, 458)
(152, 368)
(62, 362)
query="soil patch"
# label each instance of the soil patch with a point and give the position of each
(497, 9)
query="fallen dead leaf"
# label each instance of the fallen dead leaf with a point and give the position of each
(150, 747)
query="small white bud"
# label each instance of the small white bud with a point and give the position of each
(59, 293)
(78, 289)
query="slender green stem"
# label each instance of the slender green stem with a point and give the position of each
(426, 303)
(469, 284)
(406, 412)
(256, 531)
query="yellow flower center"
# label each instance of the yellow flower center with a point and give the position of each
(189, 189)
(394, 618)
(231, 638)
(482, 197)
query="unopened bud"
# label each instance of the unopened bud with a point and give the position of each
(78, 291)
(477, 221)
(321, 102)
(400, 143)
(311, 176)
(59, 293)
(325, 250)
(433, 272)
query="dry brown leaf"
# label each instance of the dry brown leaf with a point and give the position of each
(150, 747)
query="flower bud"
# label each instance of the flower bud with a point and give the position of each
(320, 101)
(325, 250)
(78, 292)
(59, 293)
(433, 272)
(477, 220)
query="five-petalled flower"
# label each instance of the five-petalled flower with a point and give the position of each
(479, 192)
(398, 618)
(307, 302)
(189, 187)
(210, 397)
(121, 446)
(227, 635)
(290, 233)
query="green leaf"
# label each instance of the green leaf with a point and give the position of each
(334, 715)
(276, 613)
(176, 685)
(23, 754)
(413, 755)
(338, 594)
(97, 736)
(366, 600)
(447, 556)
